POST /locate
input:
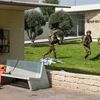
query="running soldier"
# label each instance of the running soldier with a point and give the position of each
(86, 43)
(98, 40)
(52, 40)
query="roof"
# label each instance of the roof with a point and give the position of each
(22, 5)
(81, 8)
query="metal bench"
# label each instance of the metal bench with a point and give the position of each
(33, 72)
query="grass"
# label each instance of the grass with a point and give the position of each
(71, 54)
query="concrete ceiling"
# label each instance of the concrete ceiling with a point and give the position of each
(16, 5)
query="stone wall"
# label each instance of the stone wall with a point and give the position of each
(86, 83)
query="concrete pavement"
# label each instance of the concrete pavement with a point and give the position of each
(16, 93)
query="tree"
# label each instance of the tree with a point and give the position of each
(47, 11)
(33, 24)
(61, 22)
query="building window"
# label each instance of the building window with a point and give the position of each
(4, 41)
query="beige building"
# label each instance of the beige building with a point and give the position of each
(12, 27)
(11, 30)
(93, 23)
(12, 21)
(86, 17)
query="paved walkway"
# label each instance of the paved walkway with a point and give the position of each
(46, 40)
(15, 93)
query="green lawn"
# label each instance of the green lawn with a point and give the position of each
(71, 54)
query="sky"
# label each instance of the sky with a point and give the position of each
(79, 2)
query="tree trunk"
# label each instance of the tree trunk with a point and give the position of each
(29, 34)
(61, 39)
(33, 37)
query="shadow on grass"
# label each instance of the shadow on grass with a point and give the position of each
(64, 57)
(72, 70)
(71, 42)
(41, 45)
(28, 52)
(47, 44)
(97, 57)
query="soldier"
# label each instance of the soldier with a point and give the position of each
(98, 40)
(86, 43)
(98, 55)
(52, 40)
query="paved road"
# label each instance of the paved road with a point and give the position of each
(16, 93)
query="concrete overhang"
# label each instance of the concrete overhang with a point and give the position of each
(81, 8)
(21, 5)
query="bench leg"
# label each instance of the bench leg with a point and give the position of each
(33, 84)
(40, 83)
(30, 86)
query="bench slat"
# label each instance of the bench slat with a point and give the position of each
(13, 76)
(24, 68)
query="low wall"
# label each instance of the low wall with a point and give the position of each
(86, 83)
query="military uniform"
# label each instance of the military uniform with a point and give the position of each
(86, 43)
(52, 40)
(98, 41)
